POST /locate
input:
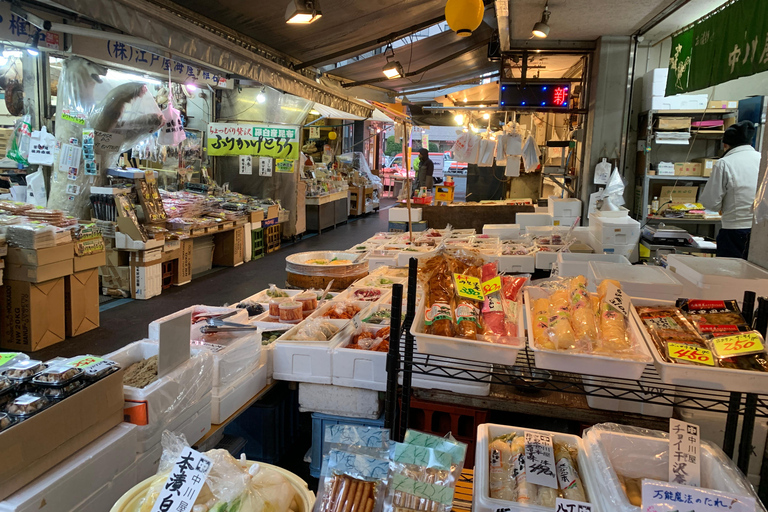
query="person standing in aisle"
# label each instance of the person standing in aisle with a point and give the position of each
(426, 169)
(731, 190)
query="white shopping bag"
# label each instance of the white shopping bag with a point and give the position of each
(513, 166)
(602, 172)
(487, 150)
(172, 131)
(531, 154)
(41, 147)
(466, 148)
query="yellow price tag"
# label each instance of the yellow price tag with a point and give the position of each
(468, 287)
(690, 353)
(492, 285)
(738, 344)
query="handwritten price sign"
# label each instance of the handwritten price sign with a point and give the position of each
(738, 344)
(468, 287)
(690, 353)
(84, 362)
(491, 286)
(616, 298)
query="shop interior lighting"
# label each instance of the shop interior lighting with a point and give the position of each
(130, 77)
(392, 69)
(459, 118)
(302, 12)
(486, 116)
(262, 96)
(314, 112)
(541, 28)
(3, 56)
(33, 50)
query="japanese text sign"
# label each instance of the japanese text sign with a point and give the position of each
(666, 497)
(184, 482)
(563, 505)
(276, 141)
(16, 28)
(468, 287)
(739, 344)
(690, 353)
(540, 459)
(246, 164)
(492, 285)
(616, 298)
(684, 453)
(265, 166)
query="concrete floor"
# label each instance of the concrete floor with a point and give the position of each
(128, 322)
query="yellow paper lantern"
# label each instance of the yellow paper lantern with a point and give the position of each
(332, 136)
(464, 16)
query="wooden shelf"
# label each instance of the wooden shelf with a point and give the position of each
(656, 177)
(691, 112)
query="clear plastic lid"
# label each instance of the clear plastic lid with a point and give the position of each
(62, 392)
(24, 370)
(95, 367)
(27, 405)
(291, 311)
(705, 268)
(58, 376)
(6, 385)
(5, 421)
(637, 280)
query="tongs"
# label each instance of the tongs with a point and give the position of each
(217, 324)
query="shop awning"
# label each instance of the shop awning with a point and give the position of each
(186, 40)
(378, 115)
(333, 113)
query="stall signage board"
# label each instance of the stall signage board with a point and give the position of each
(275, 141)
(729, 44)
(564, 505)
(14, 28)
(684, 453)
(246, 164)
(143, 61)
(184, 482)
(666, 497)
(265, 166)
(540, 459)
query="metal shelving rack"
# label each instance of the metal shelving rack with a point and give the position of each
(401, 359)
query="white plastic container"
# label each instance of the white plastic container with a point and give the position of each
(404, 257)
(601, 399)
(720, 278)
(305, 362)
(401, 214)
(615, 231)
(263, 298)
(725, 379)
(515, 263)
(567, 207)
(637, 280)
(355, 368)
(381, 258)
(480, 386)
(570, 264)
(225, 401)
(565, 221)
(546, 259)
(108, 494)
(526, 219)
(589, 364)
(503, 231)
(472, 350)
(481, 500)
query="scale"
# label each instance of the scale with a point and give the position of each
(666, 235)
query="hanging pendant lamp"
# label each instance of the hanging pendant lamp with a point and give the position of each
(464, 16)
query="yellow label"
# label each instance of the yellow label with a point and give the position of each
(690, 353)
(738, 344)
(492, 285)
(468, 287)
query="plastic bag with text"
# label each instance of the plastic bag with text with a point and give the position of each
(18, 149)
(467, 148)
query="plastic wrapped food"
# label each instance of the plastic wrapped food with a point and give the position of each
(6, 385)
(27, 405)
(291, 311)
(366, 294)
(438, 313)
(613, 324)
(581, 305)
(24, 371)
(502, 469)
(351, 482)
(568, 479)
(94, 368)
(61, 392)
(382, 317)
(468, 320)
(377, 341)
(712, 317)
(512, 300)
(308, 300)
(561, 331)
(57, 376)
(667, 324)
(540, 324)
(274, 306)
(341, 311)
(493, 307)
(274, 292)
(314, 330)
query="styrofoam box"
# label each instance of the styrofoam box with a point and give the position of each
(677, 102)
(103, 499)
(589, 364)
(148, 462)
(655, 82)
(636, 281)
(564, 221)
(704, 377)
(401, 214)
(546, 259)
(473, 350)
(340, 401)
(515, 263)
(169, 396)
(615, 231)
(631, 251)
(404, 257)
(526, 219)
(225, 401)
(567, 207)
(481, 496)
(123, 241)
(571, 264)
(357, 368)
(479, 387)
(149, 281)
(262, 297)
(635, 456)
(380, 258)
(81, 474)
(720, 278)
(503, 231)
(306, 361)
(607, 403)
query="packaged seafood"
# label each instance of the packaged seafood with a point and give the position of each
(6, 385)
(24, 371)
(27, 405)
(61, 392)
(57, 376)
(5, 421)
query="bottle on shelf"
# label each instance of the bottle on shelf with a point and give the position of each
(655, 205)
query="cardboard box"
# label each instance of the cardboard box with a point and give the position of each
(183, 268)
(117, 258)
(676, 102)
(228, 249)
(724, 104)
(256, 216)
(171, 245)
(32, 315)
(81, 263)
(707, 164)
(676, 195)
(118, 278)
(273, 212)
(34, 257)
(39, 273)
(37, 444)
(687, 169)
(673, 123)
(81, 302)
(665, 168)
(148, 257)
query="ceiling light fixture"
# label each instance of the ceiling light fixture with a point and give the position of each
(302, 12)
(262, 97)
(541, 28)
(486, 116)
(32, 50)
(459, 118)
(392, 69)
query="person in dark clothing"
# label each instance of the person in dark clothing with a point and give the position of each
(426, 169)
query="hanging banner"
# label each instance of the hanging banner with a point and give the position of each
(729, 44)
(276, 141)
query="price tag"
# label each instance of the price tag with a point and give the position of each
(91, 364)
(6, 357)
(616, 298)
(738, 344)
(468, 287)
(540, 459)
(684, 453)
(491, 286)
(356, 322)
(690, 353)
(663, 497)
(314, 132)
(563, 505)
(184, 483)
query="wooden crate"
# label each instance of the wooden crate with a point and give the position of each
(272, 238)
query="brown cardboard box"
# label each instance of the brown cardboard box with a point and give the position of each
(45, 256)
(183, 273)
(146, 258)
(118, 258)
(676, 195)
(687, 169)
(228, 249)
(81, 302)
(673, 123)
(724, 104)
(707, 164)
(116, 277)
(81, 263)
(32, 315)
(256, 216)
(37, 444)
(39, 273)
(273, 211)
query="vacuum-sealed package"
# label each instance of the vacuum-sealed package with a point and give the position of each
(373, 441)
(712, 317)
(352, 482)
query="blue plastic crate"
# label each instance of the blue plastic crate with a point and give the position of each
(319, 422)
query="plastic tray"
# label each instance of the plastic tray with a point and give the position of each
(571, 264)
(719, 278)
(263, 298)
(516, 263)
(481, 500)
(546, 259)
(482, 351)
(355, 368)
(724, 379)
(637, 280)
(589, 364)
(225, 404)
(306, 362)
(503, 231)
(600, 399)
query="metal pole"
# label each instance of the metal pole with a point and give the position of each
(747, 431)
(731, 424)
(393, 360)
(408, 356)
